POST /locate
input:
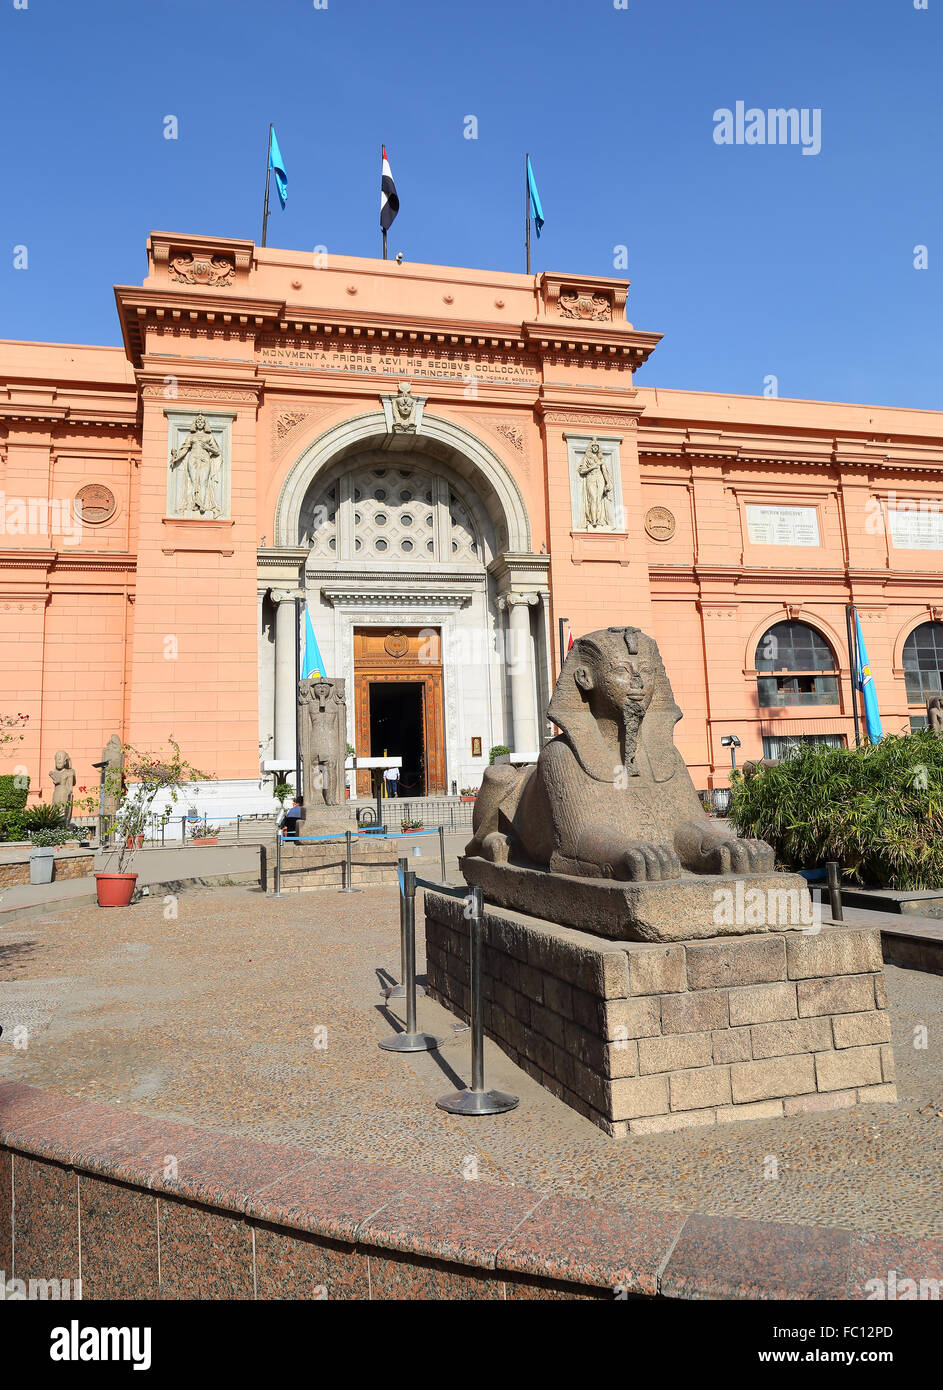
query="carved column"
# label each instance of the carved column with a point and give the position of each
(285, 691)
(520, 659)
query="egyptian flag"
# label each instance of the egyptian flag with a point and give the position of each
(389, 202)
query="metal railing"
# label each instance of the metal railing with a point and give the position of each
(347, 838)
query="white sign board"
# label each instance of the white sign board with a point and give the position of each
(782, 525)
(916, 530)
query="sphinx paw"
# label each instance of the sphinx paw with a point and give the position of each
(735, 856)
(651, 863)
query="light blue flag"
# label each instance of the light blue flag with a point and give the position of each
(535, 207)
(313, 663)
(277, 166)
(865, 683)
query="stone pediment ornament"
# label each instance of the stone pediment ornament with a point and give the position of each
(580, 304)
(403, 411)
(215, 271)
(396, 644)
(96, 502)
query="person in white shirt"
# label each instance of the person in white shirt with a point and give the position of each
(391, 777)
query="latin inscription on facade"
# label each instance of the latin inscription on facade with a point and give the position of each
(415, 366)
(782, 525)
(916, 530)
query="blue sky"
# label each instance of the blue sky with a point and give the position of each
(753, 261)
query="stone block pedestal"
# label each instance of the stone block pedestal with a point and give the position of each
(642, 1037)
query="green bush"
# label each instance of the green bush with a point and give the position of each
(12, 826)
(878, 810)
(497, 751)
(45, 816)
(45, 838)
(13, 796)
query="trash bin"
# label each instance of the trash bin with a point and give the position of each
(41, 862)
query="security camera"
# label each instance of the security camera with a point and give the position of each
(730, 741)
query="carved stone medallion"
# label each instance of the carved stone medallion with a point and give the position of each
(188, 269)
(575, 304)
(660, 523)
(96, 501)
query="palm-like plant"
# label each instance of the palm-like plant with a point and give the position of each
(877, 809)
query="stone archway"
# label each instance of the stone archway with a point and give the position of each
(481, 592)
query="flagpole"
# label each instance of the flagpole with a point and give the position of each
(527, 209)
(268, 175)
(384, 243)
(853, 659)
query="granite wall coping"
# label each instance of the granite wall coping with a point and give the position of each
(515, 1238)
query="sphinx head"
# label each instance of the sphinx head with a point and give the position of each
(615, 674)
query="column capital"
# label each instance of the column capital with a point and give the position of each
(285, 595)
(514, 600)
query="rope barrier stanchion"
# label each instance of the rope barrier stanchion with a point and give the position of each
(833, 870)
(399, 991)
(475, 1100)
(278, 865)
(410, 1040)
(442, 850)
(348, 872)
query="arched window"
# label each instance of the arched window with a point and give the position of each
(923, 663)
(799, 661)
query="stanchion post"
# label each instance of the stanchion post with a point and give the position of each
(442, 850)
(410, 1040)
(833, 870)
(399, 991)
(475, 1100)
(278, 865)
(348, 872)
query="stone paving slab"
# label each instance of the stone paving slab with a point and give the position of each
(260, 1017)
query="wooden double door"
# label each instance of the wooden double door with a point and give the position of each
(398, 693)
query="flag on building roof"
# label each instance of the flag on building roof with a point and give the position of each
(865, 683)
(535, 207)
(313, 663)
(389, 200)
(277, 166)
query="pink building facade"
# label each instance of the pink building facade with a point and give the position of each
(445, 463)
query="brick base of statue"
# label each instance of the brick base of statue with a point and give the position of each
(323, 865)
(642, 1038)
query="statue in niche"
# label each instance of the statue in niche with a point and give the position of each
(202, 477)
(323, 736)
(63, 782)
(935, 714)
(595, 489)
(113, 757)
(404, 409)
(610, 796)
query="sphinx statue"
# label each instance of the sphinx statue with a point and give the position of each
(610, 796)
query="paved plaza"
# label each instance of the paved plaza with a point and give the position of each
(261, 1016)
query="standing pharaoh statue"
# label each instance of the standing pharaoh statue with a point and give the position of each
(935, 713)
(113, 758)
(201, 479)
(323, 737)
(63, 779)
(596, 489)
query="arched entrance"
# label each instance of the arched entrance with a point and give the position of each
(414, 553)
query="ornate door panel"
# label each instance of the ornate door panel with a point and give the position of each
(409, 656)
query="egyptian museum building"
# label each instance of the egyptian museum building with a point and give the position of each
(445, 463)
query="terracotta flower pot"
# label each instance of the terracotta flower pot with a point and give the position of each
(115, 890)
(205, 840)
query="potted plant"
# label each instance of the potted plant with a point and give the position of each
(348, 773)
(500, 750)
(469, 793)
(409, 827)
(283, 791)
(42, 856)
(146, 775)
(204, 834)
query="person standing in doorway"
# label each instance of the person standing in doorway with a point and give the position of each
(391, 777)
